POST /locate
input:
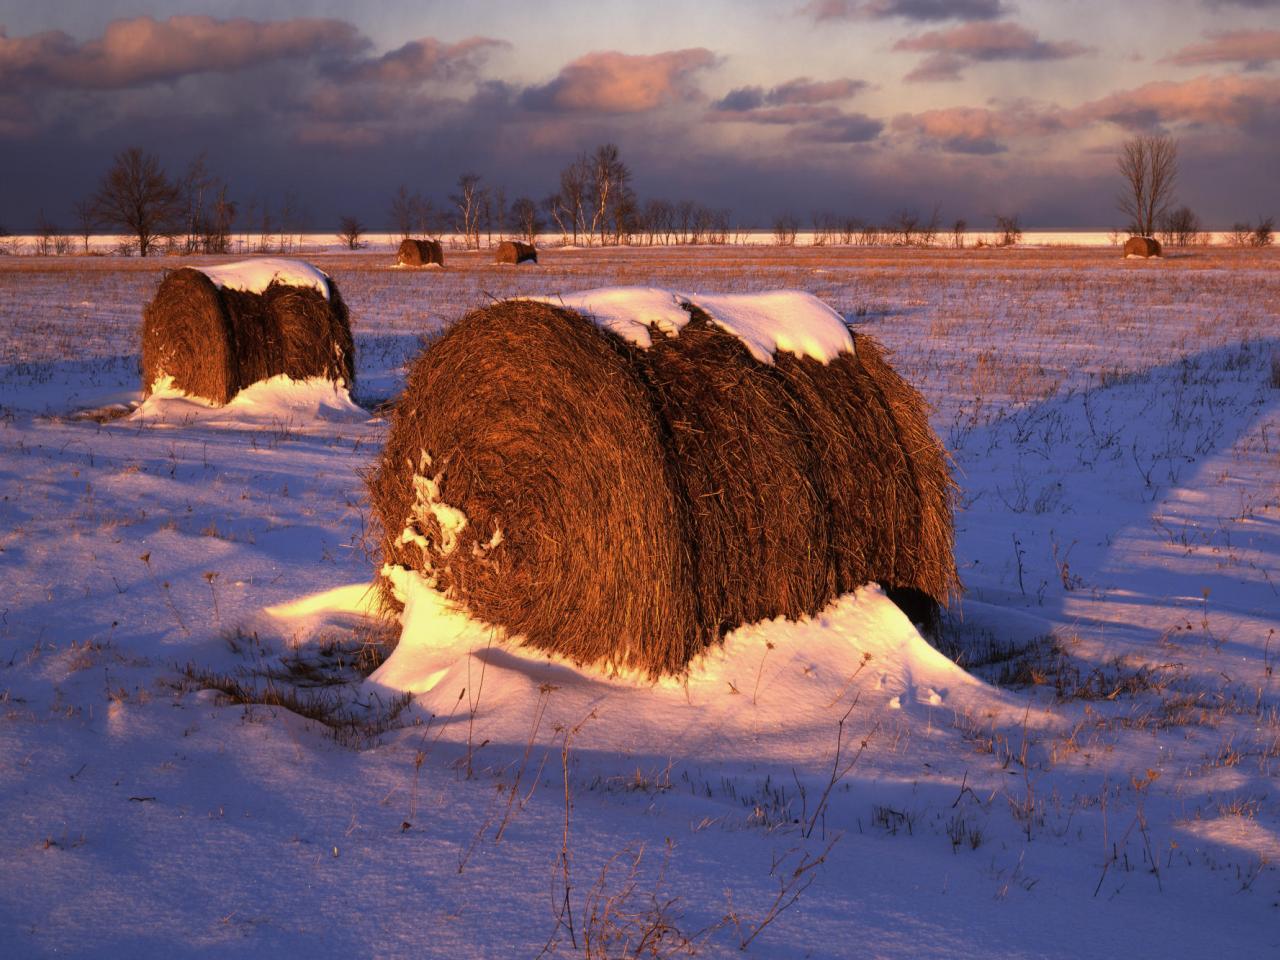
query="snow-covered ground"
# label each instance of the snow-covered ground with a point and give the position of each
(193, 763)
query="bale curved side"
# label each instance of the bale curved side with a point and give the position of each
(535, 425)
(1142, 247)
(514, 251)
(757, 510)
(187, 334)
(418, 253)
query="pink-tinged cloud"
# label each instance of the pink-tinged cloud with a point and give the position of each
(950, 51)
(425, 59)
(1253, 48)
(612, 82)
(1237, 102)
(144, 50)
(922, 10)
(980, 129)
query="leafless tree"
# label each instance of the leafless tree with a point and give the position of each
(528, 222)
(1264, 232)
(350, 230)
(86, 220)
(136, 195)
(402, 212)
(1180, 227)
(1149, 167)
(784, 230)
(1009, 229)
(1240, 234)
(905, 227)
(957, 233)
(469, 202)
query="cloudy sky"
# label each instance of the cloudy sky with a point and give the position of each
(859, 107)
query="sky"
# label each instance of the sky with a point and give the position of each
(848, 107)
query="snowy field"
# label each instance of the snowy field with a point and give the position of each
(194, 760)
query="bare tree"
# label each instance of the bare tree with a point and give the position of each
(957, 233)
(136, 195)
(470, 203)
(1180, 227)
(86, 220)
(1149, 167)
(402, 212)
(1009, 228)
(1264, 232)
(784, 230)
(905, 226)
(610, 191)
(350, 230)
(524, 211)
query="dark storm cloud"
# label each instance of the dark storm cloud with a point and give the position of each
(920, 10)
(143, 50)
(950, 51)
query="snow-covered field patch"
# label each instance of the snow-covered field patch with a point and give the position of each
(211, 743)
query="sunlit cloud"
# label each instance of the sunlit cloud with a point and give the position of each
(1255, 49)
(950, 51)
(613, 82)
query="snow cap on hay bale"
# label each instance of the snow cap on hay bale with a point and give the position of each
(513, 251)
(627, 480)
(215, 330)
(1142, 247)
(419, 253)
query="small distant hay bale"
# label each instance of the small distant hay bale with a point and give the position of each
(514, 251)
(1142, 247)
(419, 253)
(215, 341)
(615, 504)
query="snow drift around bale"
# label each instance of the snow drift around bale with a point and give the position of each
(254, 276)
(277, 403)
(793, 679)
(777, 321)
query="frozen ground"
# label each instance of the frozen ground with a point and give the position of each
(191, 762)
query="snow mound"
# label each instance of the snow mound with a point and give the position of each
(787, 321)
(774, 689)
(254, 276)
(272, 402)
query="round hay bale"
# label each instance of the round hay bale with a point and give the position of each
(1142, 247)
(514, 251)
(214, 341)
(419, 253)
(610, 502)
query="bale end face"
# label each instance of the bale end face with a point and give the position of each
(419, 253)
(1142, 247)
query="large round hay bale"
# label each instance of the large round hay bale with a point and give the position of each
(1142, 247)
(419, 253)
(627, 501)
(515, 251)
(213, 340)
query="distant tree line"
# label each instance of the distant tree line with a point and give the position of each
(594, 203)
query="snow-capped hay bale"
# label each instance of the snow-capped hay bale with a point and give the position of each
(1142, 247)
(628, 492)
(514, 251)
(213, 340)
(537, 427)
(419, 253)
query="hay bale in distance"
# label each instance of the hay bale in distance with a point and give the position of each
(1142, 247)
(515, 251)
(631, 505)
(419, 253)
(214, 340)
